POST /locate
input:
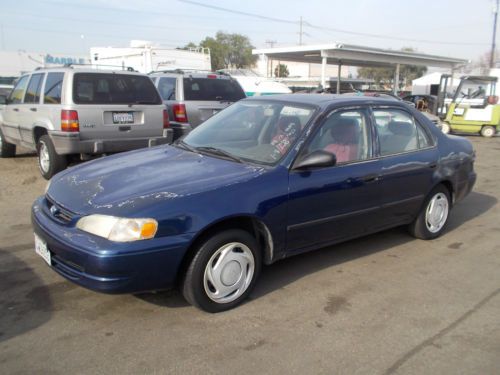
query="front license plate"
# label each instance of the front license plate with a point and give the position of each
(123, 117)
(41, 249)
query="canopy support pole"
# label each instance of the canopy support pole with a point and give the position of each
(395, 89)
(323, 72)
(339, 70)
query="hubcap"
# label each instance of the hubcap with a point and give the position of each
(488, 132)
(1, 140)
(44, 159)
(229, 272)
(437, 212)
(445, 128)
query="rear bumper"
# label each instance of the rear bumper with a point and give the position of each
(70, 143)
(105, 266)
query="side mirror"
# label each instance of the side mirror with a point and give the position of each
(3, 99)
(316, 159)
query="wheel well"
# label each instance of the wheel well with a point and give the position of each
(251, 225)
(448, 185)
(38, 131)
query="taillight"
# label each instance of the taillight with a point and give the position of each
(180, 112)
(212, 76)
(166, 122)
(69, 121)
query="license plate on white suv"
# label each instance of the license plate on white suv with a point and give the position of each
(123, 117)
(42, 250)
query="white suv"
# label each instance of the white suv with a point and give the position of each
(66, 111)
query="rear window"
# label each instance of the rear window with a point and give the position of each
(112, 88)
(53, 88)
(210, 89)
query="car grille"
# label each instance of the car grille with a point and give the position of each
(59, 213)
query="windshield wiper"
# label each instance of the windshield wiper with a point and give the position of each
(185, 146)
(218, 151)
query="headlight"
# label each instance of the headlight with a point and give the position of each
(117, 228)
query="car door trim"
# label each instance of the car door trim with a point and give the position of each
(324, 220)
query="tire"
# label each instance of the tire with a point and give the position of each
(49, 161)
(223, 271)
(488, 131)
(7, 150)
(427, 225)
(445, 128)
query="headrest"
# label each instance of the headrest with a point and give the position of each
(401, 128)
(345, 130)
(289, 122)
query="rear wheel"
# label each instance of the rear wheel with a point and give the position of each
(7, 150)
(223, 272)
(49, 161)
(433, 216)
(445, 128)
(488, 131)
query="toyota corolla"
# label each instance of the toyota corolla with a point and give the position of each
(262, 180)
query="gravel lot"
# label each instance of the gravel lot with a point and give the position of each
(382, 304)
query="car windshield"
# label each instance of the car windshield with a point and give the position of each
(256, 131)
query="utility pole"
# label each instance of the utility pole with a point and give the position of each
(270, 43)
(493, 42)
(300, 32)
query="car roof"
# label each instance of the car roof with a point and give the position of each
(84, 70)
(323, 100)
(188, 73)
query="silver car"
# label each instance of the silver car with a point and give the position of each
(73, 111)
(194, 96)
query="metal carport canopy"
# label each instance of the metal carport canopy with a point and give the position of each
(352, 55)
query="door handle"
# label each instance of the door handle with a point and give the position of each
(33, 109)
(15, 109)
(370, 178)
(432, 165)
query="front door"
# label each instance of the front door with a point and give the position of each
(13, 110)
(328, 205)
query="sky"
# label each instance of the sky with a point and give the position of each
(456, 28)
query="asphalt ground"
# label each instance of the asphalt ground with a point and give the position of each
(382, 304)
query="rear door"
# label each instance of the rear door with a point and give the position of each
(205, 96)
(13, 110)
(409, 158)
(116, 105)
(29, 113)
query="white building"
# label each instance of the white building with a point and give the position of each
(14, 64)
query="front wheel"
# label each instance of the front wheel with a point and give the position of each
(223, 271)
(433, 216)
(488, 131)
(7, 150)
(49, 161)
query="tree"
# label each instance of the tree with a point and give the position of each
(229, 51)
(188, 46)
(407, 73)
(281, 71)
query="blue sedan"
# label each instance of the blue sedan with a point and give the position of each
(264, 179)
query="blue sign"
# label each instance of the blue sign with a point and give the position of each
(63, 60)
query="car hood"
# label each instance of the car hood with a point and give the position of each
(142, 178)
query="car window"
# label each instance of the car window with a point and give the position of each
(53, 88)
(423, 138)
(258, 131)
(16, 96)
(166, 87)
(112, 88)
(345, 134)
(34, 87)
(212, 89)
(397, 131)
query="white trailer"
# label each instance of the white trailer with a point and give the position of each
(145, 58)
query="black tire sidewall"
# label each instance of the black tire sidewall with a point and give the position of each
(7, 150)
(420, 229)
(56, 162)
(193, 287)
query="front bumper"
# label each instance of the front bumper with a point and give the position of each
(105, 266)
(70, 143)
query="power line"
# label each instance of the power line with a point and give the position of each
(342, 31)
